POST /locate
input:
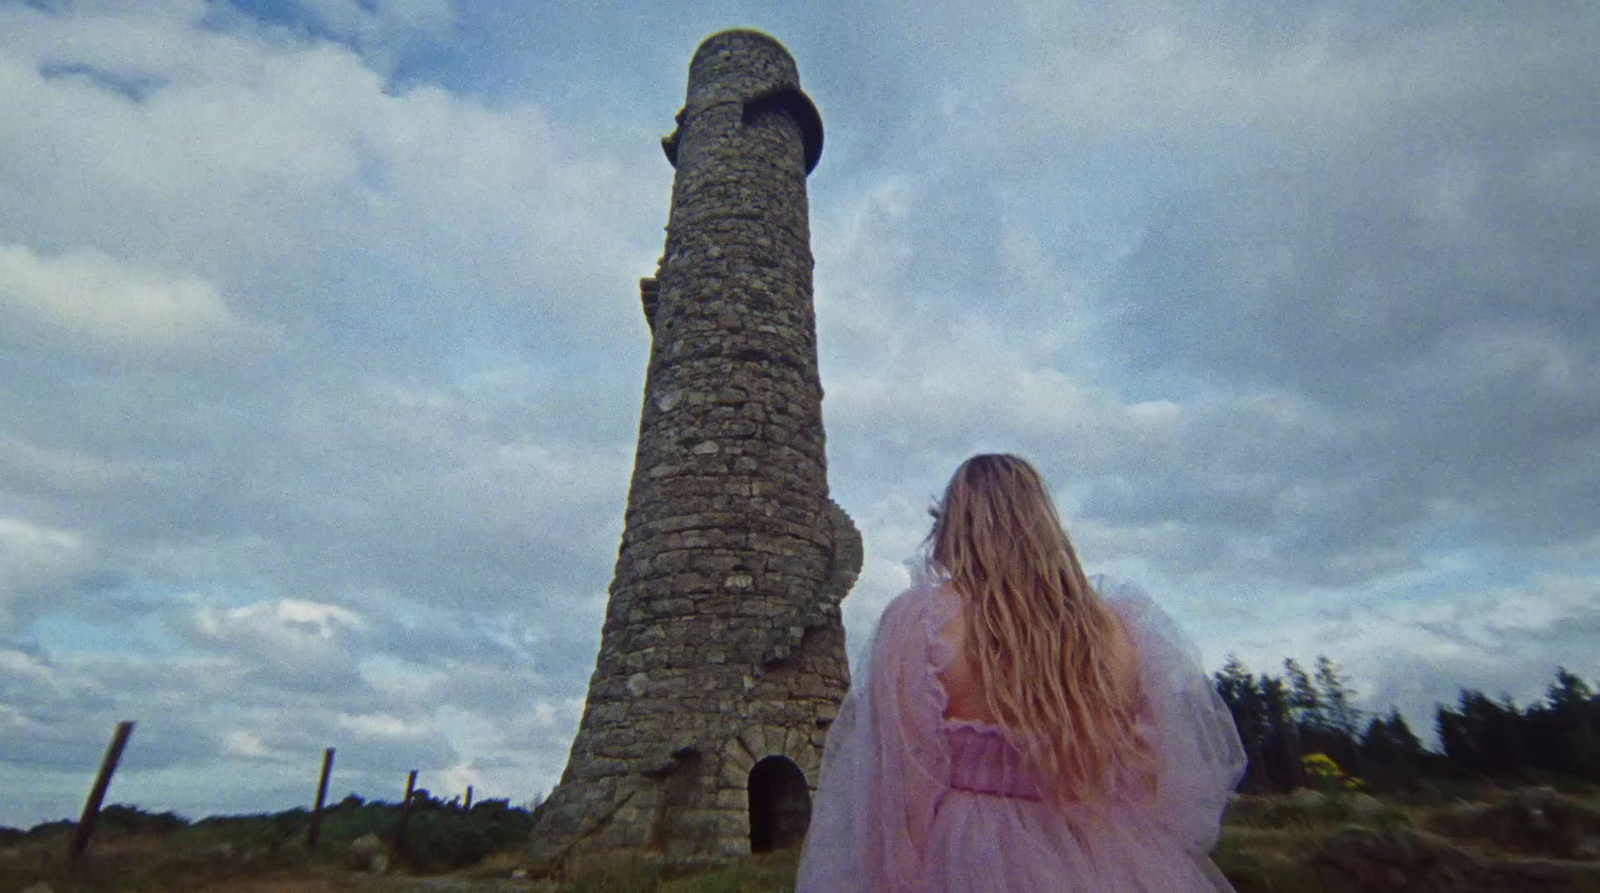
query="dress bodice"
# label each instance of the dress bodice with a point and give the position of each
(982, 761)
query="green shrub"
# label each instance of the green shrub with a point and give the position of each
(352, 819)
(133, 820)
(506, 826)
(46, 830)
(441, 841)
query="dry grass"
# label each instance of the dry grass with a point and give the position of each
(1264, 848)
(1258, 860)
(135, 863)
(772, 873)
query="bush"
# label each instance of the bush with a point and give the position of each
(440, 841)
(505, 826)
(352, 819)
(57, 828)
(1323, 774)
(269, 832)
(133, 820)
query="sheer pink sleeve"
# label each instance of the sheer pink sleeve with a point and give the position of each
(885, 767)
(1200, 759)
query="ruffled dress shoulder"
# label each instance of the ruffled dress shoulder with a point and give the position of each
(909, 800)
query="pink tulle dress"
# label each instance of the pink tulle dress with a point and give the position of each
(909, 800)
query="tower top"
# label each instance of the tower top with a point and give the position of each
(749, 67)
(751, 49)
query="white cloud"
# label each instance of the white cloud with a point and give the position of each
(1177, 72)
(246, 745)
(86, 298)
(379, 725)
(256, 164)
(19, 665)
(287, 622)
(27, 464)
(36, 560)
(292, 643)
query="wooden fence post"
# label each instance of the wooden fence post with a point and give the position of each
(467, 807)
(399, 847)
(91, 807)
(322, 793)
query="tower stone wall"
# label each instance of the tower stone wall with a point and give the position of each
(722, 644)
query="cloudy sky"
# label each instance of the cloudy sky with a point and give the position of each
(321, 352)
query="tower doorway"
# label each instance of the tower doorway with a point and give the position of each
(780, 805)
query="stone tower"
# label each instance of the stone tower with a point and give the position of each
(722, 656)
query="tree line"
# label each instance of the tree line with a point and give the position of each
(1286, 720)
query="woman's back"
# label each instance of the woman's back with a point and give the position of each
(1014, 731)
(963, 688)
(982, 760)
(916, 795)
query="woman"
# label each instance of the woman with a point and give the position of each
(1017, 731)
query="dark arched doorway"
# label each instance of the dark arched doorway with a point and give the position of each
(780, 805)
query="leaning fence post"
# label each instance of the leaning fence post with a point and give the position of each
(400, 848)
(322, 793)
(91, 808)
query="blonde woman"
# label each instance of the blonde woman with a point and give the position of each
(1017, 730)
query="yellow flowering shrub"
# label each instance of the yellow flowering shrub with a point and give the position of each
(1323, 774)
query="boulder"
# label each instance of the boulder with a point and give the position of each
(368, 853)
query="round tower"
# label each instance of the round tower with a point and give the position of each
(722, 655)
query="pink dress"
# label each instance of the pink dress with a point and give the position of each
(912, 802)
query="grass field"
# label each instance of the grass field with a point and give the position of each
(1268, 846)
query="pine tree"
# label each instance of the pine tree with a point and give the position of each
(1407, 742)
(1333, 727)
(1237, 687)
(1485, 736)
(1303, 695)
(1390, 752)
(1281, 744)
(1333, 692)
(1572, 726)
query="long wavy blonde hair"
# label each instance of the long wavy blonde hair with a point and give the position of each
(1055, 664)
